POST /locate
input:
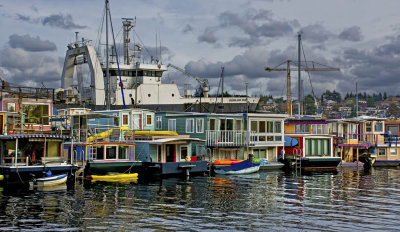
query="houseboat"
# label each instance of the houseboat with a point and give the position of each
(315, 146)
(170, 156)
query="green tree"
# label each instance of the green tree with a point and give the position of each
(310, 106)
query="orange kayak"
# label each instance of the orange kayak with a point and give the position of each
(226, 161)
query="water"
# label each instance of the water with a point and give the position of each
(349, 200)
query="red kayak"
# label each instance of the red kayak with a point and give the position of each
(226, 161)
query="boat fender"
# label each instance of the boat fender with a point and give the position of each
(187, 158)
(1, 177)
(48, 173)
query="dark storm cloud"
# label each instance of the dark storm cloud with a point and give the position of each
(30, 68)
(54, 20)
(61, 21)
(373, 69)
(315, 33)
(187, 29)
(32, 44)
(351, 34)
(153, 52)
(208, 36)
(255, 25)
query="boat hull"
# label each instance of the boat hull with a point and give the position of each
(386, 163)
(50, 181)
(125, 177)
(238, 172)
(102, 168)
(174, 168)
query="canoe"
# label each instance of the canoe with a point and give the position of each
(244, 167)
(114, 177)
(226, 161)
(50, 180)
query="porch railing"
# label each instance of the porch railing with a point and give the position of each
(229, 138)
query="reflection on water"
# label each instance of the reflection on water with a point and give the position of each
(349, 199)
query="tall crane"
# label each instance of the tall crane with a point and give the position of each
(307, 68)
(203, 82)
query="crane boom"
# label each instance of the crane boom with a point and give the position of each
(288, 69)
(203, 82)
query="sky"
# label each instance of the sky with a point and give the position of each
(361, 37)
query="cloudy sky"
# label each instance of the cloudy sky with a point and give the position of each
(361, 37)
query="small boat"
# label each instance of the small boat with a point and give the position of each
(124, 177)
(226, 161)
(290, 142)
(244, 167)
(50, 180)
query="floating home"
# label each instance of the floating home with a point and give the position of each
(314, 149)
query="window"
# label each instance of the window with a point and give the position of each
(226, 124)
(123, 152)
(36, 113)
(302, 128)
(158, 122)
(199, 125)
(317, 147)
(111, 152)
(319, 129)
(368, 127)
(184, 152)
(261, 126)
(378, 127)
(381, 151)
(239, 125)
(200, 150)
(253, 125)
(171, 124)
(394, 130)
(270, 128)
(125, 121)
(278, 128)
(11, 107)
(393, 151)
(98, 153)
(189, 125)
(149, 119)
(211, 123)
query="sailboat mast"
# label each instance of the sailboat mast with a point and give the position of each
(108, 101)
(300, 87)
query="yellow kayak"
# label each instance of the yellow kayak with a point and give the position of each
(115, 177)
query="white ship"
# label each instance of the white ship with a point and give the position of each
(141, 82)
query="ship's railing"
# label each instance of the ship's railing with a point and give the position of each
(229, 138)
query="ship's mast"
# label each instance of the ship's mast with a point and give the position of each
(128, 24)
(300, 83)
(108, 100)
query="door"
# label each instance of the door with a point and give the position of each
(170, 152)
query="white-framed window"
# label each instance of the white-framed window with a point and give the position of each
(123, 152)
(239, 124)
(158, 122)
(278, 127)
(378, 127)
(381, 151)
(171, 124)
(368, 127)
(184, 152)
(393, 151)
(125, 119)
(111, 152)
(211, 123)
(319, 129)
(302, 128)
(149, 119)
(199, 125)
(189, 125)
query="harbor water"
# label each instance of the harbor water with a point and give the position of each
(348, 200)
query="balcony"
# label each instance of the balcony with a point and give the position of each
(229, 138)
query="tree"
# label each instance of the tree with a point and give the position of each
(310, 106)
(393, 109)
(384, 96)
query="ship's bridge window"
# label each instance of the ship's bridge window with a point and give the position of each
(158, 74)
